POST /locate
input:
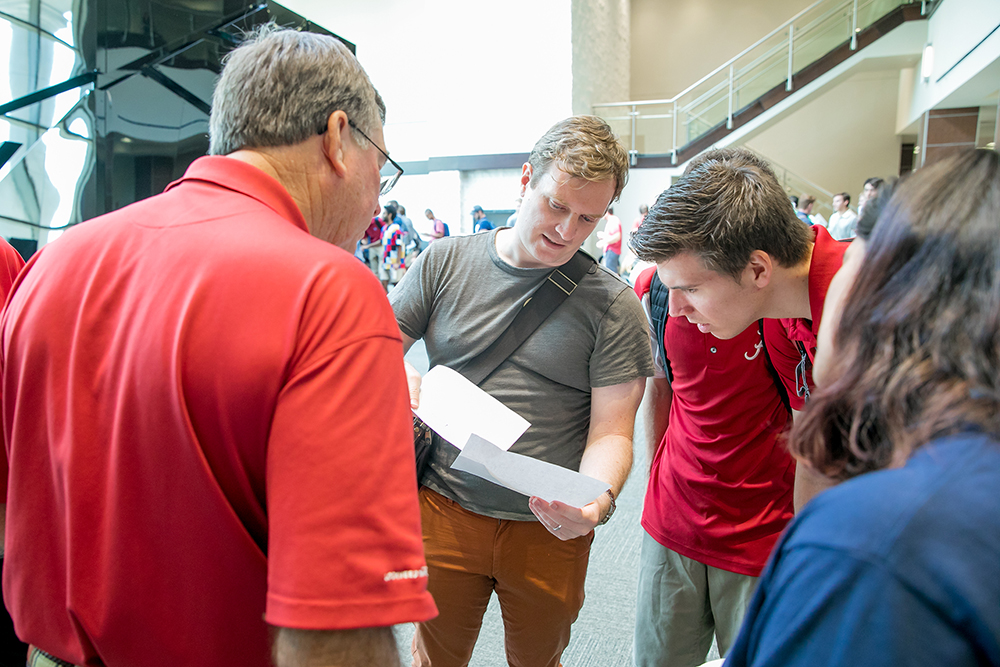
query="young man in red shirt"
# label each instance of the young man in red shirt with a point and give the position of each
(729, 247)
(720, 484)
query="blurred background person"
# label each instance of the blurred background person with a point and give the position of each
(803, 209)
(843, 221)
(439, 230)
(512, 218)
(869, 191)
(479, 221)
(610, 240)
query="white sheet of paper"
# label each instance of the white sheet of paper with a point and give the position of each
(527, 475)
(454, 408)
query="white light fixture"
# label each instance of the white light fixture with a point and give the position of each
(927, 62)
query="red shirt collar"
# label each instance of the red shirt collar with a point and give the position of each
(246, 179)
(827, 256)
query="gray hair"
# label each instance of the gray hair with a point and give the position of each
(279, 87)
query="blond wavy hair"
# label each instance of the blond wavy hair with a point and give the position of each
(584, 147)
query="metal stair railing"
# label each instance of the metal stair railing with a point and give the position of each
(795, 184)
(670, 124)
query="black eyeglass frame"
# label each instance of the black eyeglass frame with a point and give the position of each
(387, 183)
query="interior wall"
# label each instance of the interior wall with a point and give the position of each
(437, 191)
(492, 189)
(965, 65)
(459, 78)
(831, 144)
(677, 42)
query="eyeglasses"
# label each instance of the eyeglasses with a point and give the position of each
(389, 181)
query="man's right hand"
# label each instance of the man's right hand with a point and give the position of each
(413, 379)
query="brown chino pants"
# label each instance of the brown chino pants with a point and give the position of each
(538, 579)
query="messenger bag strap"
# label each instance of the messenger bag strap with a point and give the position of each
(553, 291)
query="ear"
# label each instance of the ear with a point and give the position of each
(336, 141)
(760, 268)
(526, 172)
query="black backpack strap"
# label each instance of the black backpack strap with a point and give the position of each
(659, 310)
(555, 289)
(782, 392)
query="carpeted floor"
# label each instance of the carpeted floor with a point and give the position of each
(602, 635)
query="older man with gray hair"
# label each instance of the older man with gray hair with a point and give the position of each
(195, 472)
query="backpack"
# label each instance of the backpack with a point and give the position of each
(447, 232)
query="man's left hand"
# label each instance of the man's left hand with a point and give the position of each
(565, 521)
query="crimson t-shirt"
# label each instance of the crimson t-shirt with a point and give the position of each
(720, 484)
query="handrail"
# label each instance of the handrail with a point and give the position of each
(723, 66)
(719, 96)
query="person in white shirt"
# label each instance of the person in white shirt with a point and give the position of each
(844, 220)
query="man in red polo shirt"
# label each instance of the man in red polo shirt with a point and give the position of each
(729, 247)
(196, 470)
(720, 484)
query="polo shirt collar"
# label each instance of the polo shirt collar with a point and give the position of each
(827, 256)
(245, 179)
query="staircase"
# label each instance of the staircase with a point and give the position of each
(749, 88)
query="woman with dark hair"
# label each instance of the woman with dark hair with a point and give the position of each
(837, 291)
(900, 563)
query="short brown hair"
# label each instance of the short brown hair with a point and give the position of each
(805, 201)
(727, 204)
(585, 147)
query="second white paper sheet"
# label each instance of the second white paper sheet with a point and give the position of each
(454, 408)
(527, 475)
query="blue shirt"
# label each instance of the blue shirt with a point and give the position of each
(896, 567)
(481, 225)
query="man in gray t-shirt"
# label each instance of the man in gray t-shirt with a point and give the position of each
(578, 380)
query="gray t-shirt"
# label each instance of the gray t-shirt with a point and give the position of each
(460, 296)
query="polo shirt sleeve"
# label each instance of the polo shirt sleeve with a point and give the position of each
(622, 350)
(345, 547)
(819, 605)
(785, 357)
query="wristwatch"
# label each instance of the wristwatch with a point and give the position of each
(610, 511)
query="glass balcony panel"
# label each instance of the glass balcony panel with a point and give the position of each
(44, 186)
(654, 130)
(707, 104)
(31, 61)
(43, 182)
(49, 15)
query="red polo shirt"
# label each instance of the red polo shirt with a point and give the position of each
(720, 486)
(193, 444)
(784, 336)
